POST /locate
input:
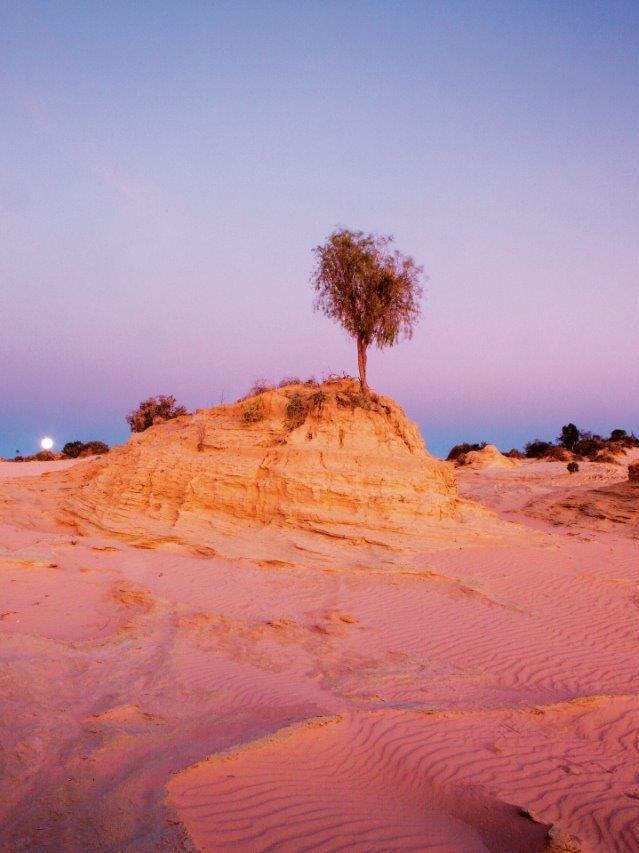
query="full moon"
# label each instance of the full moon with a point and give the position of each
(46, 443)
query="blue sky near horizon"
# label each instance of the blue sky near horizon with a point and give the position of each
(167, 168)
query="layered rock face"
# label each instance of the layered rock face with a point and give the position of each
(320, 458)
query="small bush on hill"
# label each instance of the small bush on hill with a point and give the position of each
(72, 449)
(153, 411)
(94, 448)
(589, 447)
(459, 449)
(537, 449)
(289, 380)
(351, 399)
(296, 410)
(513, 453)
(573, 467)
(260, 386)
(558, 454)
(253, 412)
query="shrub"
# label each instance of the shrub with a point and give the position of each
(259, 386)
(459, 449)
(44, 456)
(514, 454)
(351, 399)
(317, 400)
(618, 435)
(537, 449)
(296, 411)
(155, 410)
(573, 467)
(558, 454)
(72, 449)
(606, 457)
(289, 380)
(253, 412)
(589, 447)
(94, 448)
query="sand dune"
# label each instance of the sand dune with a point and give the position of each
(466, 686)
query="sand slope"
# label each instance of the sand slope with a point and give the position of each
(469, 692)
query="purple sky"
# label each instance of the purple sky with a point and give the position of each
(167, 168)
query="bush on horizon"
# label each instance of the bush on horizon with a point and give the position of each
(155, 410)
(537, 449)
(465, 447)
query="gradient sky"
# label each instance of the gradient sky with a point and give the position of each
(166, 169)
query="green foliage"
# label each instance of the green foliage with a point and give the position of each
(618, 435)
(573, 467)
(72, 449)
(153, 411)
(253, 412)
(537, 449)
(296, 411)
(351, 399)
(459, 449)
(570, 435)
(372, 291)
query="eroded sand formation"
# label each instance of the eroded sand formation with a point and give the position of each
(488, 457)
(461, 684)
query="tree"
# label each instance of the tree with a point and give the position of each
(155, 410)
(72, 449)
(618, 435)
(570, 435)
(371, 290)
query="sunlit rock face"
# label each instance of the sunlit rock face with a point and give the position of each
(311, 457)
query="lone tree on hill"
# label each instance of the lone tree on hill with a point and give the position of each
(570, 435)
(155, 410)
(370, 289)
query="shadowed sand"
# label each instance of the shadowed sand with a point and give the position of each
(472, 687)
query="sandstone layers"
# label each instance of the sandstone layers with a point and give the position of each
(321, 459)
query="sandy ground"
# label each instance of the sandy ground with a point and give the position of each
(484, 698)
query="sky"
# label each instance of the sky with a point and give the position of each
(167, 168)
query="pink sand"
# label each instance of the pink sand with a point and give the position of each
(156, 699)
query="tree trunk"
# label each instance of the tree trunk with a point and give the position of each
(361, 364)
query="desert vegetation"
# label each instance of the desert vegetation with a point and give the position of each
(75, 449)
(372, 291)
(155, 410)
(460, 449)
(571, 445)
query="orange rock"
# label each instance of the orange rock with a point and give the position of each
(296, 456)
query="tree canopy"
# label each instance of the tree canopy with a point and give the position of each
(372, 290)
(155, 410)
